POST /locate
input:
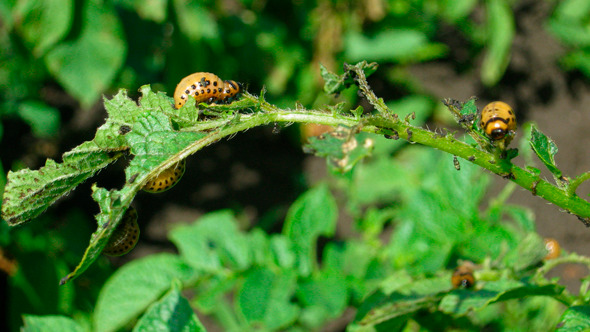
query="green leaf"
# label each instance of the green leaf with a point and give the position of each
(112, 209)
(569, 23)
(135, 286)
(154, 10)
(282, 250)
(325, 292)
(410, 46)
(545, 149)
(461, 301)
(171, 313)
(44, 120)
(575, 318)
(337, 83)
(500, 32)
(456, 10)
(529, 252)
(28, 193)
(379, 307)
(265, 298)
(342, 147)
(313, 214)
(195, 21)
(87, 66)
(50, 323)
(43, 23)
(578, 59)
(213, 243)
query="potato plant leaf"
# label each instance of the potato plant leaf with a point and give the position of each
(171, 313)
(50, 323)
(461, 301)
(28, 193)
(133, 287)
(545, 149)
(313, 214)
(337, 83)
(576, 318)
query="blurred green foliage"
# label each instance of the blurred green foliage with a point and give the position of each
(58, 57)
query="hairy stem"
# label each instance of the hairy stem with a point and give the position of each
(387, 124)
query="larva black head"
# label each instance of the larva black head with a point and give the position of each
(125, 236)
(231, 90)
(498, 133)
(463, 277)
(497, 119)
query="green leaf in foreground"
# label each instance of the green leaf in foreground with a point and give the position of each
(135, 286)
(265, 298)
(313, 214)
(171, 313)
(545, 149)
(213, 243)
(576, 318)
(155, 145)
(50, 324)
(462, 301)
(30, 192)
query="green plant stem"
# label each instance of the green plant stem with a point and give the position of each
(571, 189)
(389, 124)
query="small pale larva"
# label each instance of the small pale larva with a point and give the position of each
(125, 236)
(167, 179)
(205, 88)
(553, 248)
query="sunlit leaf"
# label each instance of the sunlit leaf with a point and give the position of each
(172, 313)
(545, 149)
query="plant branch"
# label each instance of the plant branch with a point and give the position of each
(387, 124)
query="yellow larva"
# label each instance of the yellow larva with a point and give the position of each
(125, 236)
(167, 179)
(205, 88)
(498, 120)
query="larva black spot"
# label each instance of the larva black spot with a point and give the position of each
(205, 88)
(125, 236)
(167, 179)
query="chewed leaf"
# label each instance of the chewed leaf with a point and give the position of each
(30, 192)
(469, 107)
(112, 208)
(342, 148)
(154, 144)
(337, 83)
(545, 149)
(575, 318)
(465, 113)
(461, 301)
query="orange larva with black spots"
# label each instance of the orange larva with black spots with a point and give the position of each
(463, 277)
(205, 88)
(498, 121)
(167, 179)
(125, 236)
